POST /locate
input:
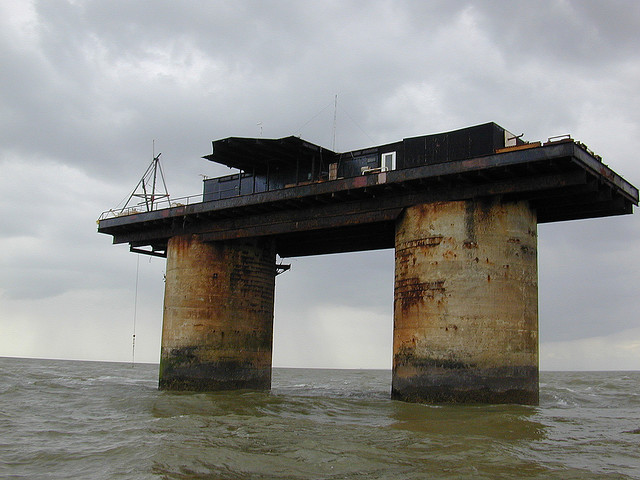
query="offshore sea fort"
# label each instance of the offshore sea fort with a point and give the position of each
(460, 209)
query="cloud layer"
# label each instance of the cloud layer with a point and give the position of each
(88, 86)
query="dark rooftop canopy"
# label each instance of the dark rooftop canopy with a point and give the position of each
(262, 154)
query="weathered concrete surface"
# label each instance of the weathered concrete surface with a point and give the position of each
(466, 303)
(217, 329)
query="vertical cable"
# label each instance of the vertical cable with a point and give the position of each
(135, 313)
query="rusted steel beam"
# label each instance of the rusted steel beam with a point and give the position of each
(562, 153)
(337, 214)
(247, 228)
(152, 252)
(355, 238)
(616, 206)
(602, 171)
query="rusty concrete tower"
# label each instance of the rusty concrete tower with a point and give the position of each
(460, 208)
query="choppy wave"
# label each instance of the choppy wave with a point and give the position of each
(62, 419)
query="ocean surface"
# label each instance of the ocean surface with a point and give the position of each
(76, 420)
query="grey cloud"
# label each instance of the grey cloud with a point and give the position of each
(567, 34)
(90, 85)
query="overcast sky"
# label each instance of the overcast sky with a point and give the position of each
(86, 87)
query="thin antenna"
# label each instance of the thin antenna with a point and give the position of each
(155, 169)
(298, 132)
(359, 127)
(156, 160)
(335, 115)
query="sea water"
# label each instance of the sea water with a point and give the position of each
(68, 419)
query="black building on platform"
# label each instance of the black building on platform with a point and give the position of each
(273, 164)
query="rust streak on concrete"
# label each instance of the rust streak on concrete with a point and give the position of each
(465, 329)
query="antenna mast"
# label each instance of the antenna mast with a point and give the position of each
(335, 115)
(148, 189)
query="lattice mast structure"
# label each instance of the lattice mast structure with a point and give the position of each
(148, 189)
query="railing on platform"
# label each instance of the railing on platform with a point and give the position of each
(207, 196)
(142, 207)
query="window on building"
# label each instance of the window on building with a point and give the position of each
(388, 161)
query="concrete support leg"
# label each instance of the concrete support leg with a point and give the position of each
(218, 315)
(466, 303)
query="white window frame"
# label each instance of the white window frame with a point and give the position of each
(384, 161)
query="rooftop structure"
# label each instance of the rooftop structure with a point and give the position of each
(317, 201)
